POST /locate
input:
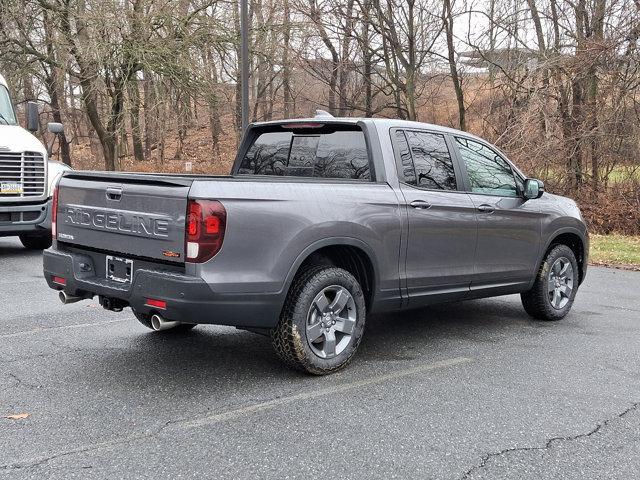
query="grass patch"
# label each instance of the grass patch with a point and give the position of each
(619, 174)
(615, 250)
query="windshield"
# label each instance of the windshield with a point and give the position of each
(7, 114)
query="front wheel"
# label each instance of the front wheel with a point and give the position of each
(36, 242)
(555, 287)
(322, 321)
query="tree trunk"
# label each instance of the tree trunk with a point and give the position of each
(344, 60)
(136, 132)
(447, 17)
(367, 61)
(150, 113)
(55, 90)
(238, 52)
(54, 95)
(335, 58)
(597, 21)
(286, 67)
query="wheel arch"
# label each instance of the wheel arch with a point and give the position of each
(576, 241)
(349, 253)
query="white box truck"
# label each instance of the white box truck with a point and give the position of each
(26, 176)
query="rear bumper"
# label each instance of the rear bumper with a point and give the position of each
(17, 219)
(189, 299)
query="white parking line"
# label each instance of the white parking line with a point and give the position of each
(343, 387)
(63, 327)
(240, 412)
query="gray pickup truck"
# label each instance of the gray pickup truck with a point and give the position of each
(321, 222)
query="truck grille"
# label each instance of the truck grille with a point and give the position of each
(26, 169)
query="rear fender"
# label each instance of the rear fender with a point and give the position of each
(327, 242)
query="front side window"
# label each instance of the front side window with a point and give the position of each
(7, 114)
(488, 172)
(426, 161)
(327, 152)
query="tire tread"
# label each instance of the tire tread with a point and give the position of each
(286, 339)
(535, 301)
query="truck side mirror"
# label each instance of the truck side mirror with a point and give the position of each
(533, 188)
(33, 120)
(55, 128)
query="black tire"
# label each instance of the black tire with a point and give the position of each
(145, 320)
(537, 302)
(290, 337)
(36, 242)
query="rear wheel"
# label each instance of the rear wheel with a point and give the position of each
(555, 287)
(145, 319)
(322, 321)
(40, 241)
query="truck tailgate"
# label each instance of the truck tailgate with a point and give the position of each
(132, 214)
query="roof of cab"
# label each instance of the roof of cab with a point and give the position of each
(379, 122)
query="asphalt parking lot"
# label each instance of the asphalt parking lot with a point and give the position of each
(471, 390)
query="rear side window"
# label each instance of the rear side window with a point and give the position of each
(426, 161)
(408, 170)
(328, 152)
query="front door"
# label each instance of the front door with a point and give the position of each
(508, 225)
(441, 238)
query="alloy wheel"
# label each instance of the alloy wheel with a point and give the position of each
(560, 283)
(331, 321)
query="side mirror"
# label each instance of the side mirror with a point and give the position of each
(55, 128)
(33, 120)
(533, 188)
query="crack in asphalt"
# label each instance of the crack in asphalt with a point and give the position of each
(11, 385)
(242, 411)
(22, 383)
(548, 444)
(85, 448)
(60, 327)
(18, 382)
(63, 348)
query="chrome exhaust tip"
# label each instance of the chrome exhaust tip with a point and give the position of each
(158, 323)
(66, 299)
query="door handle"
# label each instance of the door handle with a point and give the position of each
(484, 208)
(420, 204)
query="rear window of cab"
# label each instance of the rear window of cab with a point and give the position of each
(310, 150)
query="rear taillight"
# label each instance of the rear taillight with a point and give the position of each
(54, 213)
(204, 232)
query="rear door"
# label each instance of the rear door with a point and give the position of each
(134, 215)
(441, 238)
(508, 225)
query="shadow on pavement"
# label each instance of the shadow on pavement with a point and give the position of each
(210, 357)
(11, 247)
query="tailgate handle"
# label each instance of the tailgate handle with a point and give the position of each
(114, 193)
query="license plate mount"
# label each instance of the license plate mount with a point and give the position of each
(119, 269)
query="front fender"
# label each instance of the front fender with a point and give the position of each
(578, 229)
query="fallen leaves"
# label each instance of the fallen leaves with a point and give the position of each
(17, 416)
